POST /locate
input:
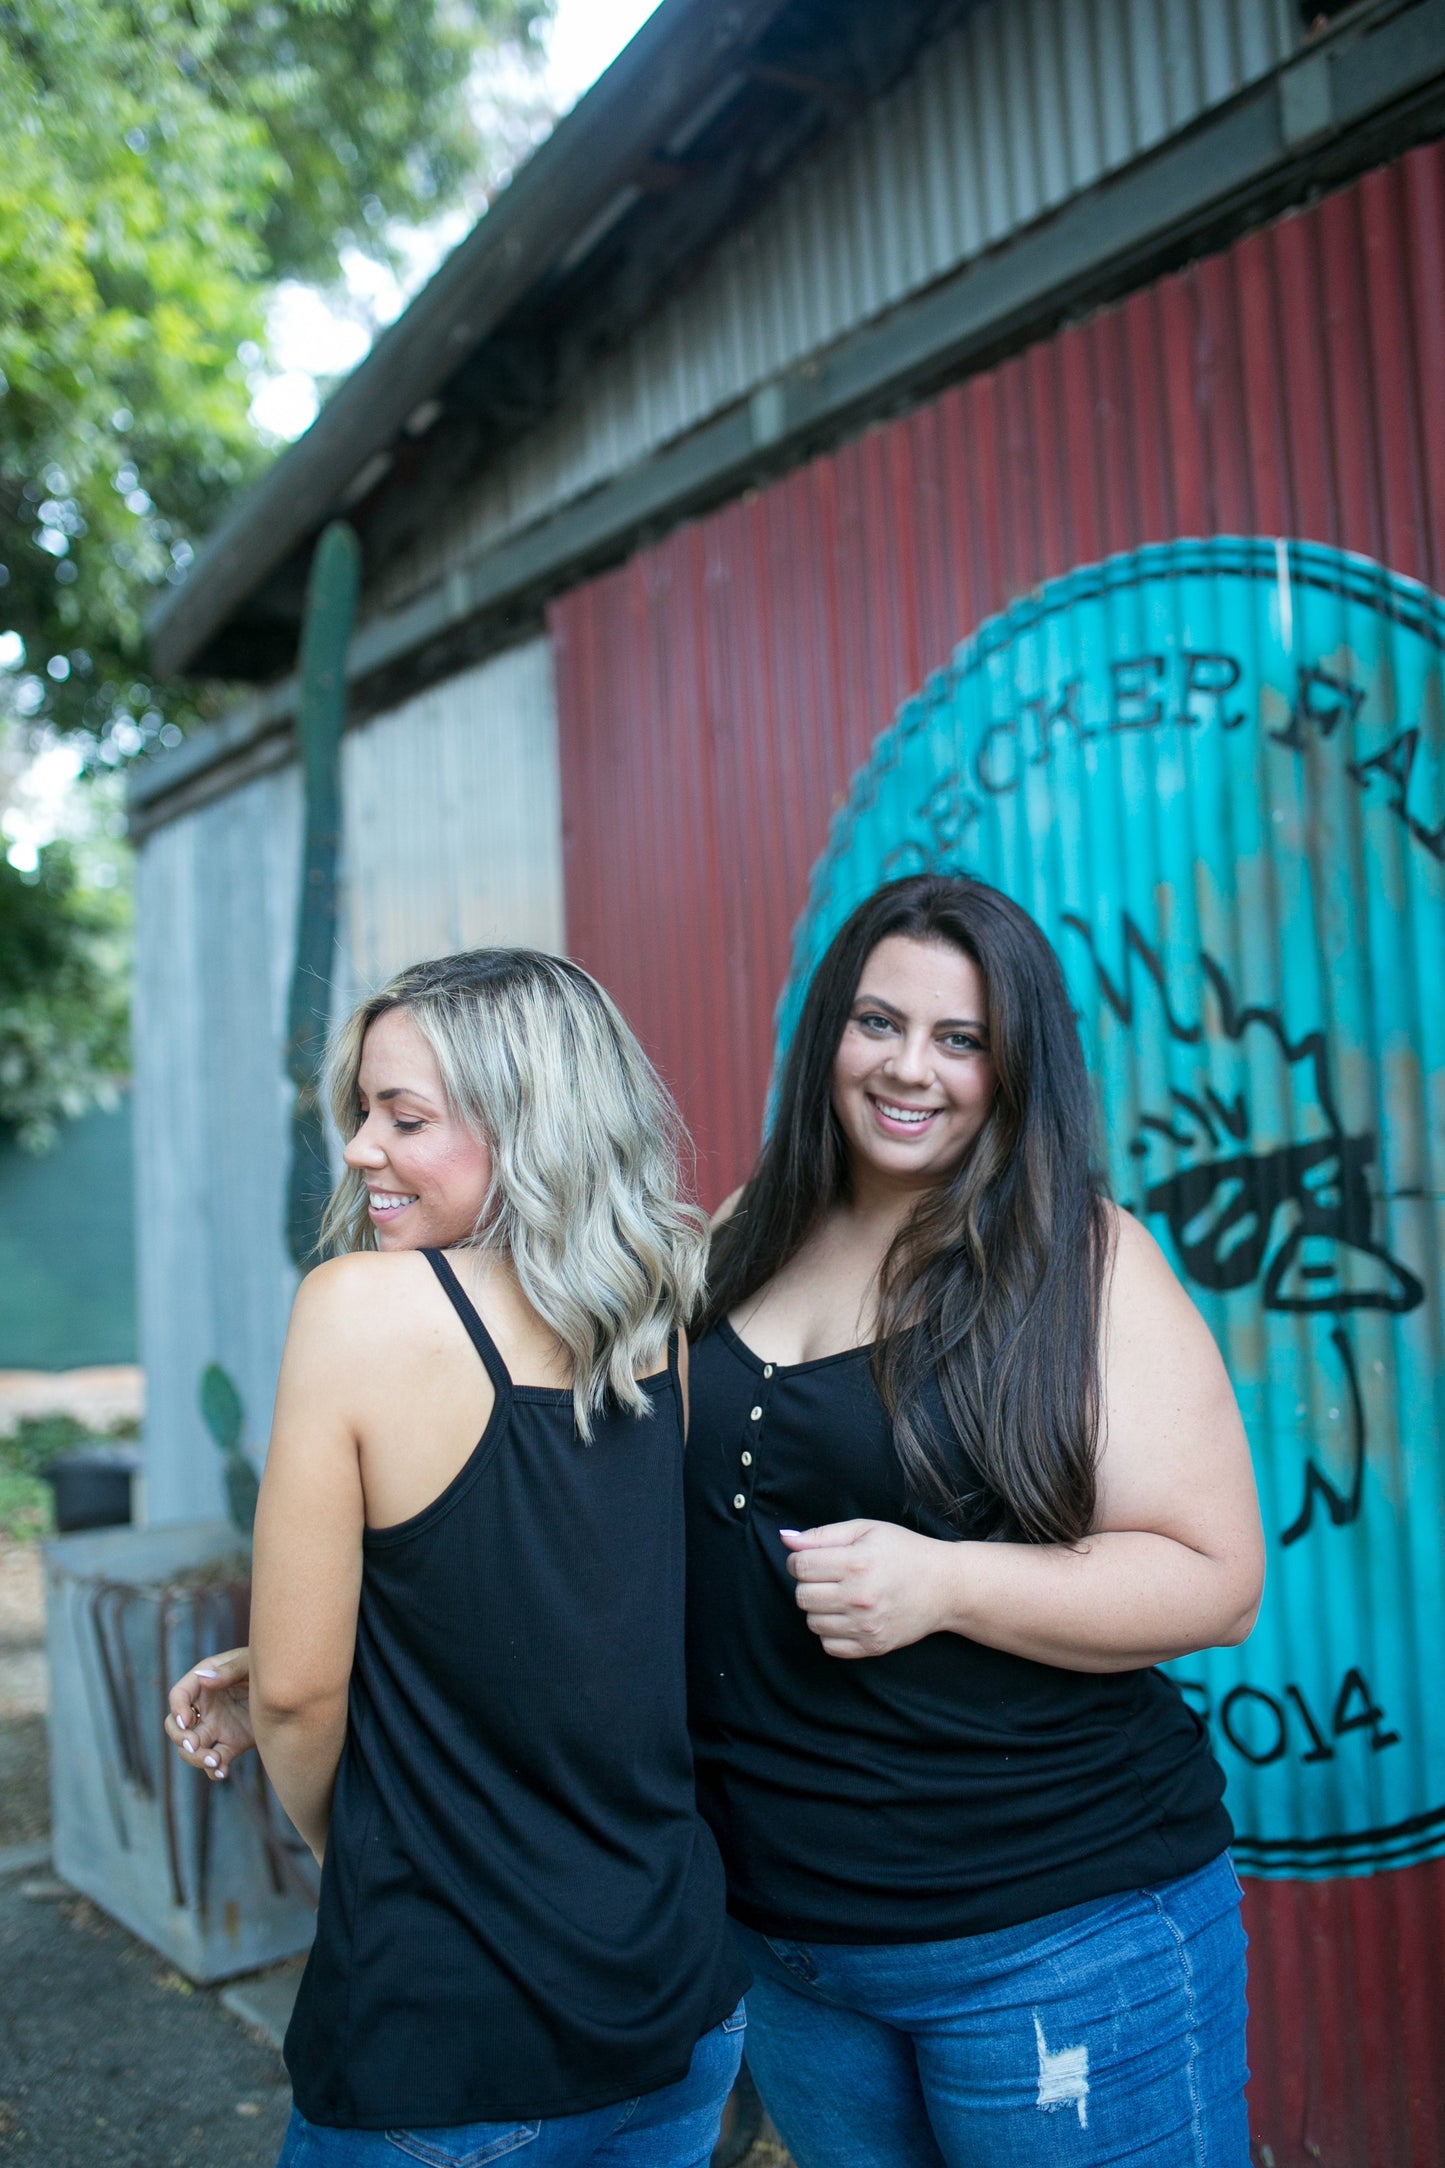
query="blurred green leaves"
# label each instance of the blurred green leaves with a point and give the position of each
(166, 162)
(63, 997)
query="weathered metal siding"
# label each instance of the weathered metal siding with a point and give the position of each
(1027, 103)
(215, 912)
(453, 826)
(1216, 771)
(452, 839)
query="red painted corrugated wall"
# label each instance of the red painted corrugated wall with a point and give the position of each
(717, 693)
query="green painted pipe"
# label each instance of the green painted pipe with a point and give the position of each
(331, 593)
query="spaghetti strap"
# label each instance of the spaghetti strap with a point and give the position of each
(466, 1310)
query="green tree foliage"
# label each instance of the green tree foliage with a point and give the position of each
(63, 1008)
(166, 161)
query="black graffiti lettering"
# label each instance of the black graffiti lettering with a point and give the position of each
(1064, 713)
(1259, 1755)
(1120, 997)
(1322, 702)
(1258, 1724)
(950, 812)
(1234, 1115)
(1356, 1710)
(997, 786)
(1134, 682)
(1343, 1507)
(1396, 762)
(1209, 676)
(1320, 1748)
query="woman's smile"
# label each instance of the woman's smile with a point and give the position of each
(384, 1205)
(897, 1120)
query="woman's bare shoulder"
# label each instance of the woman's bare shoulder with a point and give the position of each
(1135, 1259)
(1148, 1309)
(365, 1286)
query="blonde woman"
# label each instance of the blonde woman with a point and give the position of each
(467, 1630)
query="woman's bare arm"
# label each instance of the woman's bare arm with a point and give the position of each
(1177, 1559)
(306, 1577)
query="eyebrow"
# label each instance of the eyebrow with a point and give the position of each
(944, 1023)
(405, 1091)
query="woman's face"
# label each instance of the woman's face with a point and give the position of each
(914, 1079)
(426, 1174)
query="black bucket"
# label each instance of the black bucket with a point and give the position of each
(92, 1485)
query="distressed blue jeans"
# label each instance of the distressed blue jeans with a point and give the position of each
(1113, 2031)
(675, 2127)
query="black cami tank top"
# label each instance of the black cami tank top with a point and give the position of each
(944, 1789)
(521, 1913)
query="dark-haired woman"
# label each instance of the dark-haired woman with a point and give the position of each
(965, 1466)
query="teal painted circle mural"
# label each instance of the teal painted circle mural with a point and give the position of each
(1214, 771)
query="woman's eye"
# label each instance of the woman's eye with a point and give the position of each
(873, 1022)
(408, 1129)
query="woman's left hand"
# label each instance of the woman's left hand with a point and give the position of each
(866, 1587)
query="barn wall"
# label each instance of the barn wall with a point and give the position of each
(1145, 626)
(452, 839)
(215, 926)
(453, 823)
(1027, 103)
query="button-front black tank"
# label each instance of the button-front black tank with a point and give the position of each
(944, 1789)
(521, 1913)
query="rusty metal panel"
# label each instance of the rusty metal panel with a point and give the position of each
(1024, 104)
(452, 824)
(1146, 625)
(215, 927)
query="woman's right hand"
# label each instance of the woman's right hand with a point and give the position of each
(210, 1712)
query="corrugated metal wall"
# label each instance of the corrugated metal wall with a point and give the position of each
(1217, 772)
(1027, 103)
(453, 824)
(215, 928)
(452, 839)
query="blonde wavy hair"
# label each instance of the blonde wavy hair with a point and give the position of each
(586, 1151)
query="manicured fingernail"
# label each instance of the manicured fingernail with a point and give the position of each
(188, 1746)
(211, 1762)
(790, 1531)
(205, 1672)
(183, 1723)
(220, 1777)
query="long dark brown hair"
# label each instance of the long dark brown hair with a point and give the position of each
(987, 1354)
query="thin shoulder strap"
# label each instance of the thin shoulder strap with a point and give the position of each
(466, 1310)
(674, 1371)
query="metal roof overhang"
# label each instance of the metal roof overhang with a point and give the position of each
(577, 180)
(1358, 96)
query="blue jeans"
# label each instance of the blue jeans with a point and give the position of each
(675, 2127)
(1113, 2031)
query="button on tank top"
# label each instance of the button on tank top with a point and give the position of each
(521, 1912)
(944, 1789)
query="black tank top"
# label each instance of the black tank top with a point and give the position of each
(521, 1913)
(944, 1789)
